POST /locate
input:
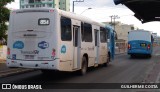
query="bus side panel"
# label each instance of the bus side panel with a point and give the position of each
(66, 56)
(103, 53)
(88, 48)
(103, 45)
(55, 40)
(65, 48)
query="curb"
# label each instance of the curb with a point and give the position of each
(2, 61)
(12, 73)
(120, 53)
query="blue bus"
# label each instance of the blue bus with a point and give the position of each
(140, 42)
(111, 41)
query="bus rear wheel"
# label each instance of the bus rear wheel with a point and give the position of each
(84, 66)
(108, 60)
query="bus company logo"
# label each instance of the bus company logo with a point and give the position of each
(18, 45)
(63, 49)
(30, 52)
(43, 45)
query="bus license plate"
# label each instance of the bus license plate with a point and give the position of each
(29, 56)
(143, 45)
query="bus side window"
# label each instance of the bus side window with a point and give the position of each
(66, 33)
(87, 34)
(103, 35)
(108, 33)
(82, 31)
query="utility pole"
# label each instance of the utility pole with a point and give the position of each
(76, 1)
(114, 17)
(113, 23)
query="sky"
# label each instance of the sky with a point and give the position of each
(102, 10)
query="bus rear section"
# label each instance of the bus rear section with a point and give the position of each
(32, 39)
(139, 43)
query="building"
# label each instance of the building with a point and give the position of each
(158, 40)
(122, 30)
(61, 4)
(64, 5)
(155, 37)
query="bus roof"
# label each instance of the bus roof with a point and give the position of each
(140, 31)
(61, 12)
(80, 17)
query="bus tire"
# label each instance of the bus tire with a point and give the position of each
(149, 55)
(132, 56)
(84, 66)
(108, 60)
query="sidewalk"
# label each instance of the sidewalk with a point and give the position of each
(2, 60)
(3, 67)
(119, 51)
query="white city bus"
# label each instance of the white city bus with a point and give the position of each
(52, 39)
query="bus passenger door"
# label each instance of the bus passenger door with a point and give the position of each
(77, 47)
(96, 32)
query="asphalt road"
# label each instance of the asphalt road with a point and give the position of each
(122, 70)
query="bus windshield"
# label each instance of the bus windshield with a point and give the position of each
(145, 36)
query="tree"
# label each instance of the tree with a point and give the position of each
(4, 17)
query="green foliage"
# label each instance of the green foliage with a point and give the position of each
(4, 17)
(4, 2)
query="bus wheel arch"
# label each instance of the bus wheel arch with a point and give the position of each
(108, 59)
(86, 56)
(84, 65)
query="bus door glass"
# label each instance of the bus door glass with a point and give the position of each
(77, 47)
(97, 45)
